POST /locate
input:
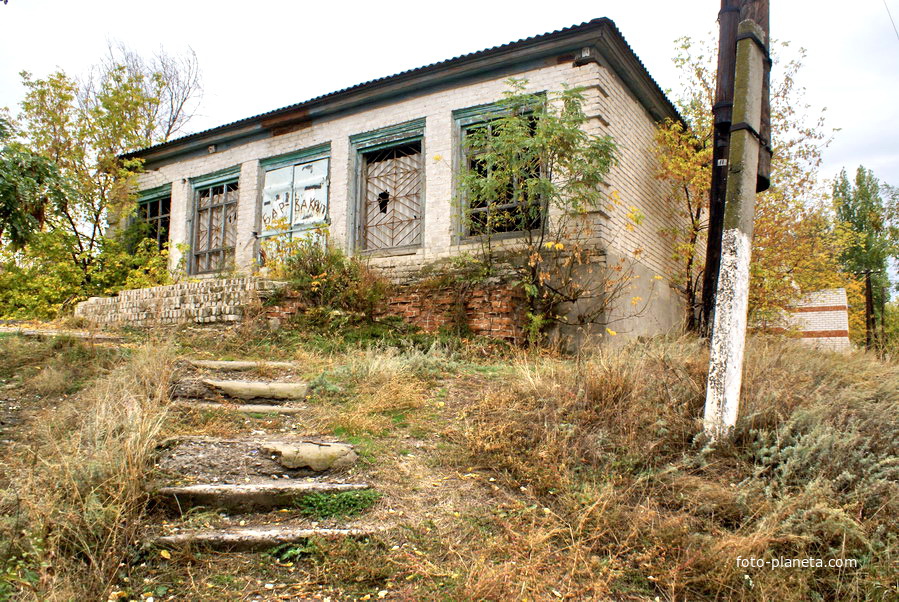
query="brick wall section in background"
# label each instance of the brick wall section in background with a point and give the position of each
(822, 320)
(206, 301)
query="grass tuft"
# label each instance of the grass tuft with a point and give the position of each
(337, 505)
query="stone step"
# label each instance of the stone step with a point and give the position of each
(239, 365)
(245, 408)
(246, 497)
(213, 460)
(252, 538)
(249, 389)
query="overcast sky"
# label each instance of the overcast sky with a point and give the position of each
(261, 55)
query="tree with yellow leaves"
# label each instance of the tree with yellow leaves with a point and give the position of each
(796, 246)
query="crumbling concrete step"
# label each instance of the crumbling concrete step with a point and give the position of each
(252, 538)
(246, 497)
(239, 365)
(244, 408)
(248, 389)
(213, 460)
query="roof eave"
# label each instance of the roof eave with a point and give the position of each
(599, 33)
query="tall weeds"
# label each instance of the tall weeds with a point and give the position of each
(635, 504)
(71, 511)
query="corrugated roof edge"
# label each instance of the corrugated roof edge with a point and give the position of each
(418, 70)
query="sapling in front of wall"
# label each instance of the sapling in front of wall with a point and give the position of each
(531, 187)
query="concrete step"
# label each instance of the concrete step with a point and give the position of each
(244, 408)
(252, 538)
(249, 389)
(246, 497)
(239, 365)
(214, 460)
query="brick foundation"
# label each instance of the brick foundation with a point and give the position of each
(494, 311)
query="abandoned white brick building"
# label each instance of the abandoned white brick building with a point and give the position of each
(377, 163)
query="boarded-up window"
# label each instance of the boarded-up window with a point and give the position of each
(392, 195)
(215, 227)
(295, 197)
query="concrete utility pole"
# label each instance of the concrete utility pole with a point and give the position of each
(732, 12)
(732, 296)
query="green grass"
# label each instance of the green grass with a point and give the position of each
(337, 505)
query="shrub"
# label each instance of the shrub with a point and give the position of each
(327, 279)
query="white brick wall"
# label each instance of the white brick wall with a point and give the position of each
(628, 122)
(822, 319)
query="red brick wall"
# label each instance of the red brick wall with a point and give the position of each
(494, 311)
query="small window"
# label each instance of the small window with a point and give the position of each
(156, 213)
(215, 227)
(508, 204)
(391, 196)
(295, 198)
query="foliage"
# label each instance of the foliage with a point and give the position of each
(531, 186)
(40, 281)
(324, 277)
(29, 183)
(70, 168)
(873, 235)
(796, 245)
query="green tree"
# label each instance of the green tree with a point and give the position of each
(864, 214)
(76, 131)
(29, 183)
(532, 175)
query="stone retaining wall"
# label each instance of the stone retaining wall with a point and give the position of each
(205, 301)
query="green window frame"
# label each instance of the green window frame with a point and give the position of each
(480, 217)
(295, 192)
(214, 229)
(390, 187)
(154, 207)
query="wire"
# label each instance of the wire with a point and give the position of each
(890, 15)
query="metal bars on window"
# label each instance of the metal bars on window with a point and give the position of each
(391, 197)
(215, 227)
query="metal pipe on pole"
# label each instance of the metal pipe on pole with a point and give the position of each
(732, 12)
(732, 293)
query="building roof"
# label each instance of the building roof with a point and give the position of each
(591, 40)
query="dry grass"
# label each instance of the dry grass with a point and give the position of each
(536, 478)
(70, 511)
(635, 505)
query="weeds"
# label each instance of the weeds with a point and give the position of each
(337, 505)
(634, 504)
(72, 511)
